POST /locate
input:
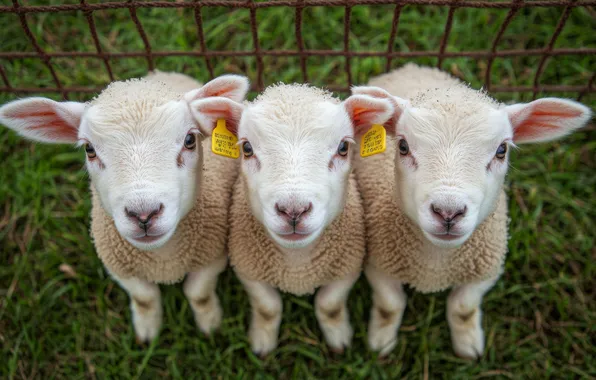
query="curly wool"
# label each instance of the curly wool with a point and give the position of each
(339, 252)
(200, 237)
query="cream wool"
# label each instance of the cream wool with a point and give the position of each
(436, 212)
(396, 245)
(255, 256)
(200, 237)
(296, 221)
(160, 200)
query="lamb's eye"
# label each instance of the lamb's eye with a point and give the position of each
(404, 149)
(247, 149)
(501, 151)
(90, 151)
(343, 148)
(190, 141)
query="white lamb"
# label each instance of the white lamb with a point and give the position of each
(435, 207)
(296, 221)
(160, 201)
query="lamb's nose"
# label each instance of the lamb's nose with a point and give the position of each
(144, 218)
(294, 213)
(448, 215)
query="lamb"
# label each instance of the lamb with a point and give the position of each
(436, 212)
(159, 202)
(296, 220)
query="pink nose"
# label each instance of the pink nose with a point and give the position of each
(448, 215)
(293, 214)
(144, 218)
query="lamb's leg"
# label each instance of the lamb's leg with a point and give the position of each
(389, 304)
(465, 318)
(266, 305)
(332, 313)
(199, 289)
(145, 303)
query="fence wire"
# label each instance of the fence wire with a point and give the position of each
(302, 53)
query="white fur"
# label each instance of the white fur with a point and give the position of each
(145, 305)
(467, 335)
(389, 304)
(137, 129)
(295, 132)
(453, 133)
(266, 307)
(199, 288)
(334, 296)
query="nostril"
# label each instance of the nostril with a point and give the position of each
(131, 214)
(461, 212)
(308, 208)
(436, 210)
(280, 209)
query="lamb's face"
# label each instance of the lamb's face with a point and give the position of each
(450, 170)
(452, 149)
(297, 146)
(142, 143)
(145, 168)
(296, 169)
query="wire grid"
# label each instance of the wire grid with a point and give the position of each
(149, 54)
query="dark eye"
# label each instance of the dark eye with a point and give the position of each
(404, 149)
(501, 151)
(90, 151)
(247, 149)
(190, 141)
(343, 148)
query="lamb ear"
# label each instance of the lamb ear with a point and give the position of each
(399, 104)
(546, 119)
(230, 86)
(208, 111)
(364, 111)
(43, 120)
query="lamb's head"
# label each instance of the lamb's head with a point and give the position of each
(452, 153)
(143, 148)
(296, 157)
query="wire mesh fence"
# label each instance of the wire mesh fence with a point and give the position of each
(302, 53)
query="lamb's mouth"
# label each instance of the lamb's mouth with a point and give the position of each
(447, 236)
(294, 236)
(147, 239)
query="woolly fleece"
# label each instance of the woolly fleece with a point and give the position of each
(339, 252)
(200, 237)
(395, 244)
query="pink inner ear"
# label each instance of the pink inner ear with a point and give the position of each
(544, 115)
(219, 89)
(41, 110)
(360, 116)
(43, 118)
(221, 111)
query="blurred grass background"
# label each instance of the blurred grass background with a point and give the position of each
(61, 317)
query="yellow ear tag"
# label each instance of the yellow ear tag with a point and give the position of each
(373, 141)
(223, 142)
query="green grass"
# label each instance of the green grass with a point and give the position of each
(540, 319)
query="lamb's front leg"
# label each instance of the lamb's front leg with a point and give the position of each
(145, 304)
(389, 304)
(266, 306)
(332, 312)
(199, 289)
(465, 318)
